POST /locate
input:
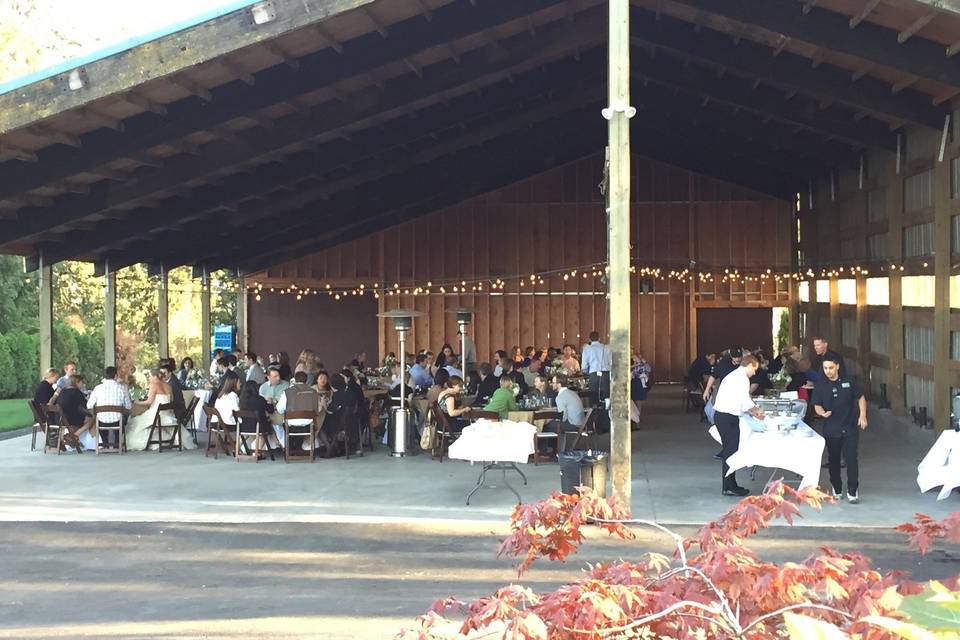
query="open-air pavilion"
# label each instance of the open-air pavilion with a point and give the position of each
(349, 157)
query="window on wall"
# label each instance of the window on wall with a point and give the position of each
(918, 344)
(922, 143)
(918, 393)
(918, 240)
(848, 332)
(878, 376)
(878, 291)
(804, 290)
(917, 291)
(877, 245)
(823, 291)
(876, 205)
(955, 345)
(918, 191)
(955, 178)
(847, 291)
(878, 337)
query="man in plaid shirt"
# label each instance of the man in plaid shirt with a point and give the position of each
(109, 393)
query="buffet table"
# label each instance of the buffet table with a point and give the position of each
(941, 466)
(761, 444)
(496, 445)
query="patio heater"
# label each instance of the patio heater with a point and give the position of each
(464, 316)
(397, 429)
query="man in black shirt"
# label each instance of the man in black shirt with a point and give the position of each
(73, 404)
(488, 384)
(700, 368)
(843, 407)
(821, 352)
(727, 365)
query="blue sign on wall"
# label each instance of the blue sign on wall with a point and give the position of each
(224, 336)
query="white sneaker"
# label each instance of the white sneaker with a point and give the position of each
(853, 498)
(837, 495)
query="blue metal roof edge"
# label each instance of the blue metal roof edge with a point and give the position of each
(125, 45)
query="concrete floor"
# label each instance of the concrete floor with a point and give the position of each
(675, 480)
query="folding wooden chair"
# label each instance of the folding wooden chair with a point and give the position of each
(588, 430)
(444, 436)
(187, 421)
(54, 426)
(348, 420)
(540, 434)
(312, 434)
(218, 433)
(243, 418)
(155, 436)
(493, 416)
(120, 427)
(39, 423)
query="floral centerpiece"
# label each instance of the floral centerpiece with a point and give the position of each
(195, 379)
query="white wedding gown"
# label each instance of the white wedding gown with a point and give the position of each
(138, 429)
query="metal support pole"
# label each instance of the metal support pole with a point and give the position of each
(205, 320)
(46, 315)
(619, 113)
(403, 358)
(163, 314)
(109, 317)
(242, 309)
(463, 349)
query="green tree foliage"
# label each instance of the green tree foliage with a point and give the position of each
(8, 382)
(18, 296)
(26, 360)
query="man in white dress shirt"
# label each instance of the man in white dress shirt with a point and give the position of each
(109, 393)
(595, 362)
(733, 401)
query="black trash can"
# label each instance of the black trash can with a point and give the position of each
(584, 468)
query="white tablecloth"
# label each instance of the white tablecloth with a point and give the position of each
(199, 417)
(486, 441)
(941, 465)
(800, 450)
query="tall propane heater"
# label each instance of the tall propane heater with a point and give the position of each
(397, 433)
(464, 317)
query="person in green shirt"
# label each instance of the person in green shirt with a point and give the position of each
(502, 400)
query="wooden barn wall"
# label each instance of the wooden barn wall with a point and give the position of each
(556, 221)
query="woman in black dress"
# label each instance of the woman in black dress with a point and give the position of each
(251, 400)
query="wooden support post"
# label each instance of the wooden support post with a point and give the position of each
(835, 336)
(109, 317)
(618, 244)
(163, 314)
(941, 312)
(895, 390)
(243, 338)
(863, 333)
(205, 320)
(793, 335)
(46, 315)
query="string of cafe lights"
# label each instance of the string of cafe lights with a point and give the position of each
(664, 272)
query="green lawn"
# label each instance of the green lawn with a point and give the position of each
(14, 414)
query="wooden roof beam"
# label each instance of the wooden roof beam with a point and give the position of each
(868, 7)
(101, 119)
(54, 136)
(327, 39)
(324, 68)
(235, 69)
(808, 5)
(425, 11)
(751, 59)
(277, 51)
(191, 87)
(903, 84)
(18, 153)
(376, 22)
(916, 56)
(918, 24)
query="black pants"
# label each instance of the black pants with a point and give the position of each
(729, 427)
(107, 436)
(844, 447)
(598, 384)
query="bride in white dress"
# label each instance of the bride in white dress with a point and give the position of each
(138, 429)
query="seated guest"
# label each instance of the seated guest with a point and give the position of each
(506, 366)
(452, 367)
(298, 397)
(443, 357)
(272, 390)
(447, 402)
(353, 386)
(570, 407)
(69, 369)
(214, 362)
(431, 359)
(186, 366)
(283, 360)
(439, 384)
(517, 357)
(360, 361)
(529, 355)
(472, 382)
(255, 372)
(503, 400)
(176, 389)
(44, 393)
(73, 405)
(489, 383)
(531, 371)
(342, 405)
(419, 375)
(569, 361)
(700, 368)
(109, 393)
(540, 392)
(251, 400)
(498, 357)
(228, 400)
